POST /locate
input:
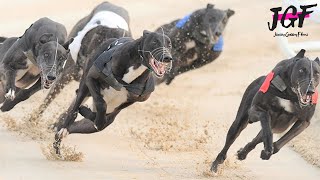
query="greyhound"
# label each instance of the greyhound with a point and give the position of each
(105, 21)
(116, 77)
(286, 96)
(33, 60)
(197, 39)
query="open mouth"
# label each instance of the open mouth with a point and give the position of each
(159, 68)
(305, 99)
(47, 84)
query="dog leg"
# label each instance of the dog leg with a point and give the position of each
(237, 126)
(87, 113)
(13, 60)
(243, 152)
(10, 86)
(68, 117)
(22, 95)
(87, 126)
(98, 101)
(84, 126)
(295, 130)
(267, 136)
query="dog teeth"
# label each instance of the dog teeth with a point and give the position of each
(10, 95)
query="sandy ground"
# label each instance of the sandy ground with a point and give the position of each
(179, 131)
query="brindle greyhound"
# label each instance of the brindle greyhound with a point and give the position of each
(104, 22)
(197, 39)
(116, 78)
(286, 96)
(33, 60)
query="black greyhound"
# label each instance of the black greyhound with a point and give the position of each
(197, 39)
(33, 60)
(286, 96)
(116, 77)
(104, 22)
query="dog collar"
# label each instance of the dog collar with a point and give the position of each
(183, 21)
(280, 86)
(219, 45)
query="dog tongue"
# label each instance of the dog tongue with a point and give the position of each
(306, 98)
(161, 68)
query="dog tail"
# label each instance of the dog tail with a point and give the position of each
(2, 39)
(247, 99)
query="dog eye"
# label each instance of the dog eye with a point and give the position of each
(301, 71)
(46, 55)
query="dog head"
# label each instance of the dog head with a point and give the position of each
(208, 24)
(51, 58)
(304, 77)
(155, 49)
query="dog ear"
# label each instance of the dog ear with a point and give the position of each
(317, 61)
(66, 44)
(46, 38)
(301, 53)
(146, 32)
(210, 6)
(230, 12)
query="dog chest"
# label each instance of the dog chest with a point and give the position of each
(132, 73)
(280, 120)
(114, 98)
(285, 104)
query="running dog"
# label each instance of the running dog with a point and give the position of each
(117, 76)
(286, 97)
(104, 22)
(33, 60)
(197, 39)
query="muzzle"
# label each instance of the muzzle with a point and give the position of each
(160, 60)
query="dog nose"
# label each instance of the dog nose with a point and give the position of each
(310, 91)
(167, 58)
(51, 78)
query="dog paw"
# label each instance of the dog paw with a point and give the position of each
(241, 154)
(10, 94)
(214, 166)
(275, 148)
(265, 155)
(98, 126)
(62, 133)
